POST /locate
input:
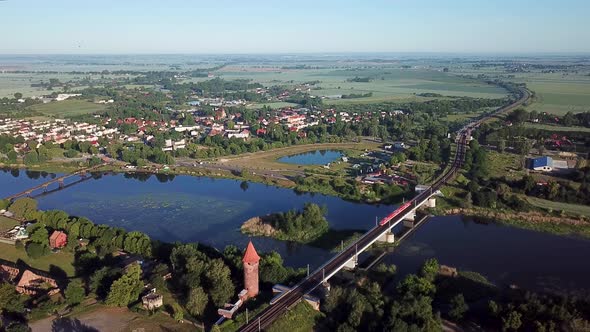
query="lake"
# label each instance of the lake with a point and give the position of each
(318, 157)
(200, 209)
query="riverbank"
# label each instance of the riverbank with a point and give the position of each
(272, 178)
(559, 225)
(330, 239)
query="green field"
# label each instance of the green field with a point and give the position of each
(386, 83)
(68, 108)
(582, 210)
(555, 93)
(271, 105)
(62, 260)
(559, 95)
(557, 128)
(7, 224)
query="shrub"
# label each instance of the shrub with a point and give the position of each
(37, 250)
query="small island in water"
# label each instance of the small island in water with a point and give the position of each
(307, 226)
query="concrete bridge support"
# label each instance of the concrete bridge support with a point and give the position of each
(352, 263)
(431, 202)
(409, 223)
(411, 216)
(387, 237)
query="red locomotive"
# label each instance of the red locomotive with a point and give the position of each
(394, 213)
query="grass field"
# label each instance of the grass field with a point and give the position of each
(387, 83)
(557, 128)
(62, 260)
(505, 165)
(7, 224)
(68, 108)
(271, 105)
(558, 206)
(267, 160)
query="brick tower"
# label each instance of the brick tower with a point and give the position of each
(251, 260)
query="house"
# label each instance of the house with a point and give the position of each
(152, 301)
(34, 284)
(8, 273)
(58, 239)
(543, 164)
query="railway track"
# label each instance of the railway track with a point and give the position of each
(315, 279)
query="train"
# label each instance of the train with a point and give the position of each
(394, 213)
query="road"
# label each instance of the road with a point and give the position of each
(307, 285)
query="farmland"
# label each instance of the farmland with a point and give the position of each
(557, 128)
(385, 84)
(68, 108)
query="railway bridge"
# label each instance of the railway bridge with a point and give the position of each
(381, 232)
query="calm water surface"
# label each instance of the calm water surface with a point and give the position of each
(318, 157)
(211, 211)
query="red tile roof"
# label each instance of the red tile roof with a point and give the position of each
(251, 256)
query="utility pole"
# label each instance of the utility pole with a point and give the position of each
(246, 315)
(259, 329)
(308, 270)
(341, 245)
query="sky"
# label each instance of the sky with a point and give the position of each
(293, 26)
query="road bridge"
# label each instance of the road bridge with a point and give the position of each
(82, 174)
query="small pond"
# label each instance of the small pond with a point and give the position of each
(317, 157)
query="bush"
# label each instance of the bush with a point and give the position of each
(75, 292)
(71, 153)
(37, 250)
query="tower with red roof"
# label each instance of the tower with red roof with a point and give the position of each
(250, 261)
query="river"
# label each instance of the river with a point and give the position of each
(200, 209)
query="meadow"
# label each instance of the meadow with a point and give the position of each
(386, 84)
(68, 108)
(555, 92)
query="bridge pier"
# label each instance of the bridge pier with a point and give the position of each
(411, 216)
(431, 202)
(387, 237)
(409, 223)
(352, 263)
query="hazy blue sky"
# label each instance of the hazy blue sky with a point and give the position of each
(280, 26)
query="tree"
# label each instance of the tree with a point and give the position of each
(458, 307)
(512, 321)
(37, 250)
(38, 234)
(177, 312)
(518, 116)
(23, 207)
(12, 156)
(430, 269)
(74, 292)
(219, 283)
(197, 301)
(18, 95)
(501, 145)
(31, 158)
(126, 289)
(9, 299)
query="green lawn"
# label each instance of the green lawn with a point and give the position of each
(68, 108)
(558, 206)
(62, 260)
(505, 165)
(7, 224)
(557, 128)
